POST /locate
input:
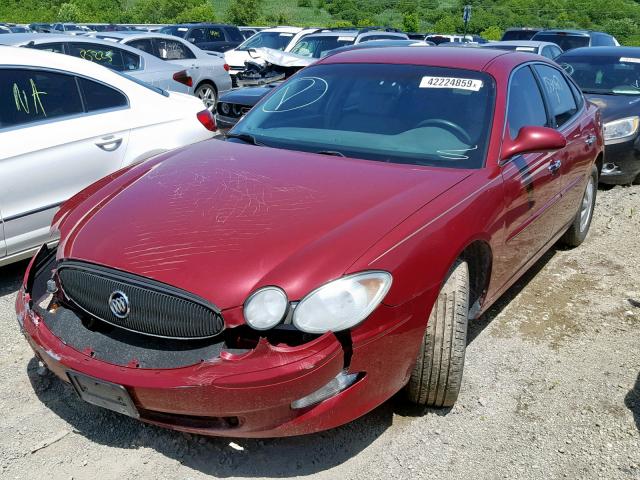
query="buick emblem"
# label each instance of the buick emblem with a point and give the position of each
(119, 304)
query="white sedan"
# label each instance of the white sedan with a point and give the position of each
(65, 123)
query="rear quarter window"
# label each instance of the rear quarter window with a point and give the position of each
(98, 96)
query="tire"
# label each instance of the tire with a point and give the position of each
(437, 375)
(636, 181)
(208, 94)
(579, 228)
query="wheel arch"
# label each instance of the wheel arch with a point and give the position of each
(479, 258)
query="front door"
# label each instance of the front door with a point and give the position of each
(532, 182)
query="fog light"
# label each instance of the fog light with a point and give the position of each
(335, 386)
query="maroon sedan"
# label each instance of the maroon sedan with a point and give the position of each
(330, 253)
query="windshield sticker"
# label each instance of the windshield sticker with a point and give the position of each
(525, 49)
(346, 39)
(297, 94)
(286, 35)
(451, 82)
(182, 29)
(629, 60)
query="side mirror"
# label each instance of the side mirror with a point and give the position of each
(532, 139)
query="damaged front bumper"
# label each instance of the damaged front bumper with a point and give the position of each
(214, 388)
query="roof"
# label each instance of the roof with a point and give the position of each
(633, 52)
(40, 58)
(569, 31)
(452, 57)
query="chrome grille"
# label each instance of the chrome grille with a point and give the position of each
(154, 308)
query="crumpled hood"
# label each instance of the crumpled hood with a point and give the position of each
(614, 107)
(221, 219)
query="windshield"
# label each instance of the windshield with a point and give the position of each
(604, 74)
(275, 40)
(564, 41)
(72, 28)
(392, 113)
(317, 47)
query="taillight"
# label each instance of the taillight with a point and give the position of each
(206, 119)
(183, 77)
(226, 67)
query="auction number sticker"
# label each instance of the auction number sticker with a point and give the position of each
(451, 82)
(629, 60)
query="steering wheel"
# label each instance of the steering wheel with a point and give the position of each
(454, 128)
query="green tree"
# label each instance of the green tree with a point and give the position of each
(68, 12)
(492, 33)
(243, 12)
(197, 13)
(410, 22)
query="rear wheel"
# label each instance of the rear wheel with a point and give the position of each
(582, 221)
(207, 93)
(437, 375)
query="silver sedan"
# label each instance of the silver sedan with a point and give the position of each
(209, 70)
(121, 58)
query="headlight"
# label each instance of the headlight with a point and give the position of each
(618, 129)
(224, 108)
(265, 308)
(343, 303)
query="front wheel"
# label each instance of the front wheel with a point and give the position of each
(437, 375)
(207, 93)
(582, 221)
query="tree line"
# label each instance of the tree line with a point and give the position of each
(490, 18)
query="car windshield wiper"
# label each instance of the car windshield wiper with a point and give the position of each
(335, 153)
(245, 137)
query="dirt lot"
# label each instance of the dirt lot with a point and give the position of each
(551, 390)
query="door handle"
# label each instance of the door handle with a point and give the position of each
(590, 140)
(109, 143)
(554, 166)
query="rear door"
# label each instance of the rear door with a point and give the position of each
(532, 182)
(59, 133)
(565, 103)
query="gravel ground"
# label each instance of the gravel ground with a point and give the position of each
(551, 390)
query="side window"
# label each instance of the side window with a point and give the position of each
(144, 44)
(108, 56)
(577, 95)
(235, 35)
(172, 50)
(98, 96)
(526, 106)
(58, 27)
(555, 52)
(546, 52)
(197, 35)
(50, 47)
(561, 102)
(28, 96)
(214, 35)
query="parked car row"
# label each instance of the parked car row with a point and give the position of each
(295, 275)
(163, 61)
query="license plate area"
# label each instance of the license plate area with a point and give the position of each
(103, 394)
